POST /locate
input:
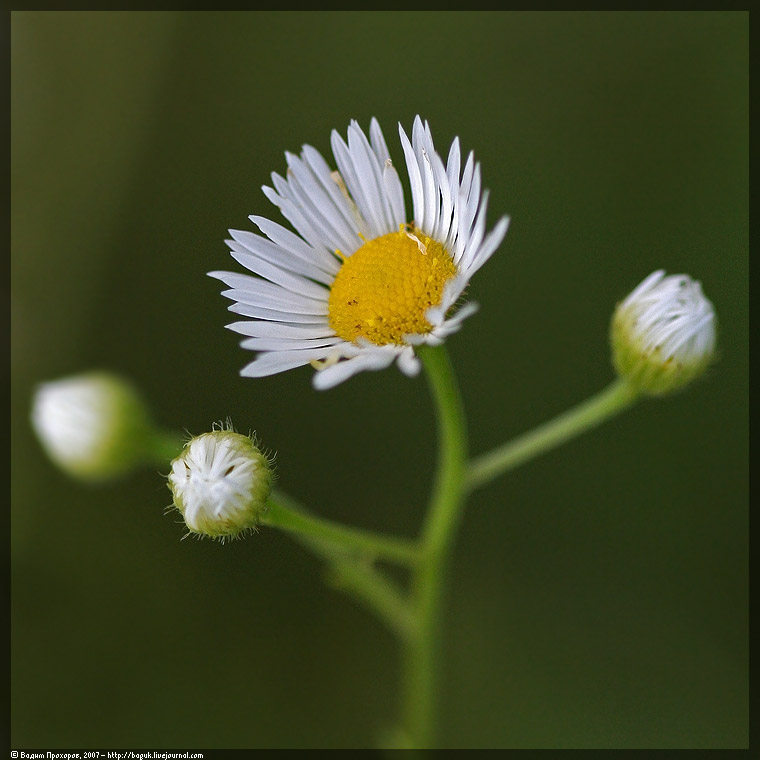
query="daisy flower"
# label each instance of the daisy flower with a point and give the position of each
(361, 285)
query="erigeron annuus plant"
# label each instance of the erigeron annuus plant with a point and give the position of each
(358, 285)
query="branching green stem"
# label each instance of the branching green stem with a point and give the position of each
(377, 592)
(367, 584)
(351, 553)
(284, 513)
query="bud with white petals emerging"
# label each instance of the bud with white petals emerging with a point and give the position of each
(94, 426)
(220, 483)
(663, 333)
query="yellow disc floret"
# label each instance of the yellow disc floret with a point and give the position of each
(384, 289)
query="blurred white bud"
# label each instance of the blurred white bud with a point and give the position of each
(94, 426)
(663, 333)
(220, 484)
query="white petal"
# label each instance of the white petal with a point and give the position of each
(255, 263)
(415, 339)
(287, 344)
(415, 178)
(324, 174)
(273, 315)
(434, 315)
(478, 231)
(378, 141)
(369, 171)
(453, 289)
(432, 339)
(259, 329)
(295, 215)
(279, 361)
(646, 285)
(291, 189)
(350, 178)
(467, 212)
(430, 195)
(489, 245)
(272, 296)
(280, 302)
(446, 198)
(452, 175)
(371, 360)
(321, 204)
(395, 193)
(453, 324)
(299, 248)
(279, 256)
(408, 363)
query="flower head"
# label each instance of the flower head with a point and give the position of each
(220, 483)
(360, 285)
(663, 333)
(94, 426)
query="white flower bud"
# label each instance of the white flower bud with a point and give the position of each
(94, 426)
(663, 333)
(220, 483)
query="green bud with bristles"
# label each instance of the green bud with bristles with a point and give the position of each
(220, 483)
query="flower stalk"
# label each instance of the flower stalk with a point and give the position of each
(443, 517)
(615, 398)
(284, 513)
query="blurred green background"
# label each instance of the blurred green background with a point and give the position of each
(598, 595)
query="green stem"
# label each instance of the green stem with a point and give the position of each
(375, 591)
(616, 397)
(444, 513)
(368, 585)
(284, 513)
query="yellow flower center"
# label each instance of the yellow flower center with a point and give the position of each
(383, 290)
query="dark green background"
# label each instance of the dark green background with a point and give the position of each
(598, 595)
